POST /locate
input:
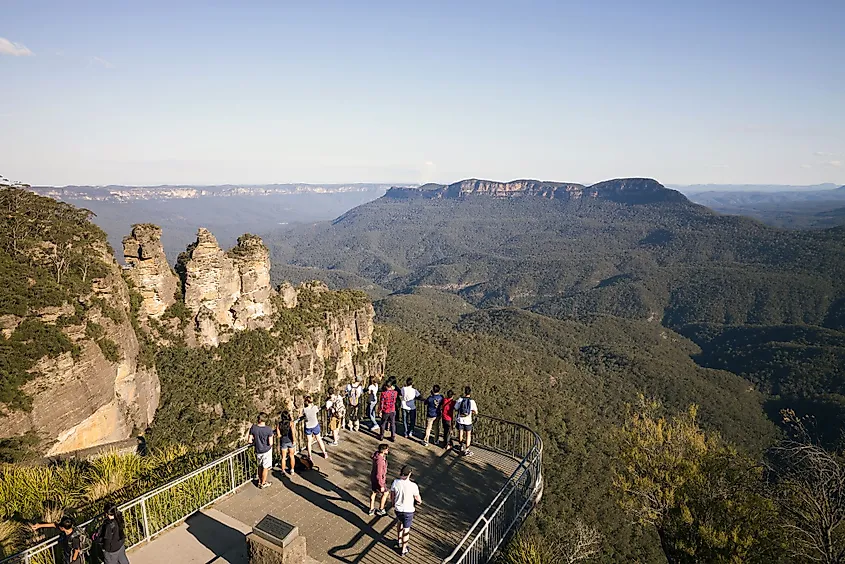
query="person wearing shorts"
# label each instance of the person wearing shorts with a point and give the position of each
(378, 480)
(286, 443)
(406, 497)
(312, 426)
(261, 438)
(465, 408)
(337, 412)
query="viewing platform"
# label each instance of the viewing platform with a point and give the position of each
(471, 504)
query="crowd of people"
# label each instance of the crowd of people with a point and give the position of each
(345, 409)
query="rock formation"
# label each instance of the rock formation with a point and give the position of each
(227, 290)
(148, 268)
(627, 190)
(85, 399)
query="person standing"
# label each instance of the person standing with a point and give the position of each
(286, 442)
(409, 396)
(337, 412)
(312, 425)
(405, 495)
(261, 438)
(378, 480)
(387, 410)
(448, 411)
(433, 404)
(372, 402)
(70, 540)
(465, 408)
(112, 536)
(354, 392)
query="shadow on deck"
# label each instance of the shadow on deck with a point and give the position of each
(330, 507)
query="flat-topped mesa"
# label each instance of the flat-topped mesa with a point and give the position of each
(625, 190)
(149, 269)
(227, 290)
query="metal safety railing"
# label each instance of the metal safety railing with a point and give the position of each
(168, 505)
(163, 507)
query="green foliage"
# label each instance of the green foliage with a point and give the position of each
(30, 341)
(705, 499)
(18, 449)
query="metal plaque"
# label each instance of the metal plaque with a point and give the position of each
(275, 530)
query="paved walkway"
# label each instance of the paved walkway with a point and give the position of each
(330, 507)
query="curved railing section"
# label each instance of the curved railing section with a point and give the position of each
(170, 504)
(515, 500)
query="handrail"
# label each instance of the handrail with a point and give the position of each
(147, 515)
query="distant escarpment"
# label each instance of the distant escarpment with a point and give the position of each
(624, 190)
(90, 352)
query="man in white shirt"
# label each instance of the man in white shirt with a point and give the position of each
(372, 402)
(405, 496)
(465, 408)
(409, 394)
(354, 392)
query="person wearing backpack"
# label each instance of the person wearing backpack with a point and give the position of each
(112, 537)
(354, 392)
(337, 412)
(73, 541)
(465, 408)
(433, 404)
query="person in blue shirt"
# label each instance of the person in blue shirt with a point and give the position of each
(433, 413)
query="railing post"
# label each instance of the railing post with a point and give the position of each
(146, 519)
(232, 471)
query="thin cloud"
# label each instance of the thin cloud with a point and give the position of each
(101, 62)
(719, 166)
(806, 166)
(823, 154)
(835, 164)
(14, 49)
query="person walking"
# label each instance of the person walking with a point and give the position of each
(337, 413)
(465, 408)
(261, 438)
(409, 395)
(354, 393)
(287, 445)
(448, 412)
(387, 410)
(433, 404)
(112, 536)
(312, 426)
(405, 496)
(71, 539)
(378, 480)
(372, 402)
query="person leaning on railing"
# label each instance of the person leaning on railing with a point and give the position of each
(70, 540)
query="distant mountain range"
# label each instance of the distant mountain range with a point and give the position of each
(118, 193)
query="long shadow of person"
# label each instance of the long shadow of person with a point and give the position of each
(328, 504)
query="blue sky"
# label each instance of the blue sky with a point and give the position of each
(253, 92)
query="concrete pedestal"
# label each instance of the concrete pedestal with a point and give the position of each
(263, 551)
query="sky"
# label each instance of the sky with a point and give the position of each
(414, 91)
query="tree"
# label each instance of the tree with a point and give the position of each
(704, 498)
(563, 543)
(811, 495)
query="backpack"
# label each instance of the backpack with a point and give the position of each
(465, 407)
(85, 542)
(303, 463)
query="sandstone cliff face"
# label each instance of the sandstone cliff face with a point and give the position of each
(84, 399)
(148, 268)
(623, 190)
(227, 290)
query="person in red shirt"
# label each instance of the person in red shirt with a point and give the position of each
(448, 408)
(378, 480)
(387, 409)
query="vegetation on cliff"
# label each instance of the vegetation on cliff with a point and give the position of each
(50, 254)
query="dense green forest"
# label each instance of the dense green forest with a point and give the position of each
(563, 313)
